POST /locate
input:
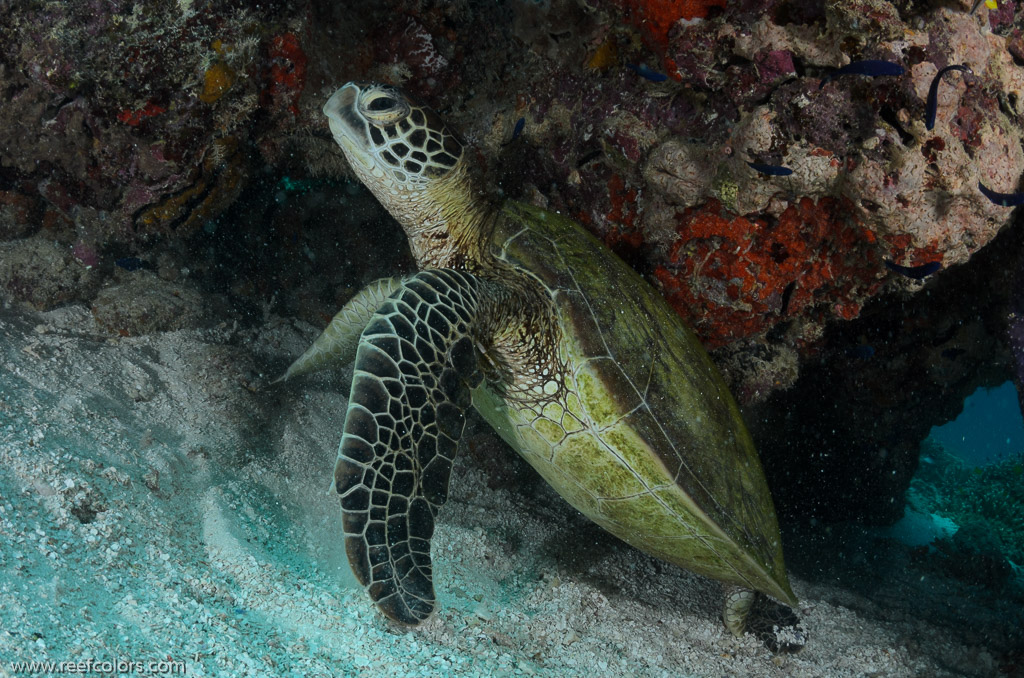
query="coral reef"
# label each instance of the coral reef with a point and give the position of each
(655, 19)
(17, 214)
(128, 122)
(815, 248)
(975, 555)
(142, 126)
(987, 504)
(752, 88)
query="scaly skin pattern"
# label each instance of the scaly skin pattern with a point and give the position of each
(406, 412)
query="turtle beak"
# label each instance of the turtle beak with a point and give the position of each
(347, 126)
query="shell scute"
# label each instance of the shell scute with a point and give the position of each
(592, 388)
(600, 475)
(629, 438)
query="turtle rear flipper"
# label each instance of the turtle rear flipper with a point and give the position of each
(774, 624)
(414, 367)
(336, 345)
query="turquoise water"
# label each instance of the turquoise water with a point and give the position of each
(989, 429)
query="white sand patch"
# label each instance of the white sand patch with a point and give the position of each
(158, 500)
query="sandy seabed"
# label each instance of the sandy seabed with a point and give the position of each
(159, 501)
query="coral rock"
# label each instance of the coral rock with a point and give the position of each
(733, 277)
(17, 212)
(655, 18)
(43, 274)
(142, 303)
(113, 107)
(911, 193)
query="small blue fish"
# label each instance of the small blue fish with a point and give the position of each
(516, 131)
(644, 72)
(933, 93)
(770, 170)
(1004, 199)
(914, 272)
(132, 263)
(871, 67)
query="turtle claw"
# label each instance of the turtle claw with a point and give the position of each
(774, 624)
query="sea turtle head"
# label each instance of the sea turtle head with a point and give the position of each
(404, 153)
(382, 129)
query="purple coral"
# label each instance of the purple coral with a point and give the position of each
(85, 253)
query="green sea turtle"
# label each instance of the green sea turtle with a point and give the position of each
(572, 357)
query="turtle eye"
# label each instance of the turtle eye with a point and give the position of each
(381, 104)
(382, 108)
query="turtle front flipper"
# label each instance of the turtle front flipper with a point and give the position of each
(414, 367)
(337, 344)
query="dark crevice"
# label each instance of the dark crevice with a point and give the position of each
(889, 115)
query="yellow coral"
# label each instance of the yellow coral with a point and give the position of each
(605, 56)
(217, 80)
(727, 191)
